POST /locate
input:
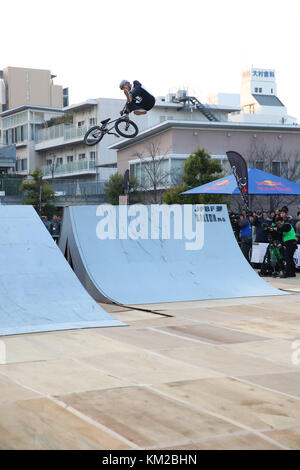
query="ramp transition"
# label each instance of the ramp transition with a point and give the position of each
(133, 268)
(38, 289)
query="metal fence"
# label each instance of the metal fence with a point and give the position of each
(10, 186)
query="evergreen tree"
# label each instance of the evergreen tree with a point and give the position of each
(115, 188)
(31, 190)
(199, 169)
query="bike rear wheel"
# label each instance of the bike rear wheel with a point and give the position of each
(93, 136)
(126, 128)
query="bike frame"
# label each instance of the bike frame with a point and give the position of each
(107, 130)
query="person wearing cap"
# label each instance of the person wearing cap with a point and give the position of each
(139, 100)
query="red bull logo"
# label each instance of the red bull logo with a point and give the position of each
(219, 185)
(268, 185)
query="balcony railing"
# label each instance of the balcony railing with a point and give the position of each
(79, 166)
(79, 189)
(63, 131)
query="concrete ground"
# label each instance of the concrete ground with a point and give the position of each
(221, 374)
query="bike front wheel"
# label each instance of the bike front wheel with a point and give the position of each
(93, 136)
(126, 128)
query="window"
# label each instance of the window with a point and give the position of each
(27, 95)
(259, 165)
(284, 169)
(256, 90)
(24, 164)
(27, 77)
(49, 162)
(260, 90)
(276, 168)
(280, 169)
(93, 121)
(92, 155)
(271, 90)
(69, 158)
(80, 123)
(81, 156)
(297, 172)
(59, 161)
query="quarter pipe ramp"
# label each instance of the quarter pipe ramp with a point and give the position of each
(135, 258)
(38, 289)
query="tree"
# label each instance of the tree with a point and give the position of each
(155, 173)
(114, 188)
(37, 191)
(199, 169)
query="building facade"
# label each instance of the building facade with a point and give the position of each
(258, 99)
(273, 148)
(28, 99)
(25, 86)
(64, 154)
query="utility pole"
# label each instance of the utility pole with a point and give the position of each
(40, 195)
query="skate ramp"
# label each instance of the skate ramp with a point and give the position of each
(38, 289)
(142, 271)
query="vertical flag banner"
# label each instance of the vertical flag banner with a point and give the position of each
(240, 171)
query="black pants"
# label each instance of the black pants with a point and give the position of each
(246, 247)
(290, 248)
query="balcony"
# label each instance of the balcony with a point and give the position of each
(79, 167)
(56, 136)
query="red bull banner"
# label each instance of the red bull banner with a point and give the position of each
(218, 186)
(269, 185)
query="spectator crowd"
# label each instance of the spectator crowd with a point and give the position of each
(276, 227)
(53, 226)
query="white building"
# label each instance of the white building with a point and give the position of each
(64, 154)
(258, 99)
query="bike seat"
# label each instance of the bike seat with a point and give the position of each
(105, 121)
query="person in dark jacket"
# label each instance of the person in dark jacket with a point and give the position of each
(139, 100)
(246, 235)
(55, 228)
(260, 221)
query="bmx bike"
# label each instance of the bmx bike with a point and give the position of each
(123, 126)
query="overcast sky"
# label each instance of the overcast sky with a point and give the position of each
(201, 45)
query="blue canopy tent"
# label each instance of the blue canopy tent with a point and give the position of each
(259, 183)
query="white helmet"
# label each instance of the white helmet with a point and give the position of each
(123, 82)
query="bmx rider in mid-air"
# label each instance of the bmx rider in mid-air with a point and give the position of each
(139, 100)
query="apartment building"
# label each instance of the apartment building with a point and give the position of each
(65, 155)
(25, 86)
(28, 99)
(19, 127)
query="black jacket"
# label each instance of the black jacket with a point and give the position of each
(141, 96)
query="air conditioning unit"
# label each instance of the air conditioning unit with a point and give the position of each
(170, 97)
(181, 94)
